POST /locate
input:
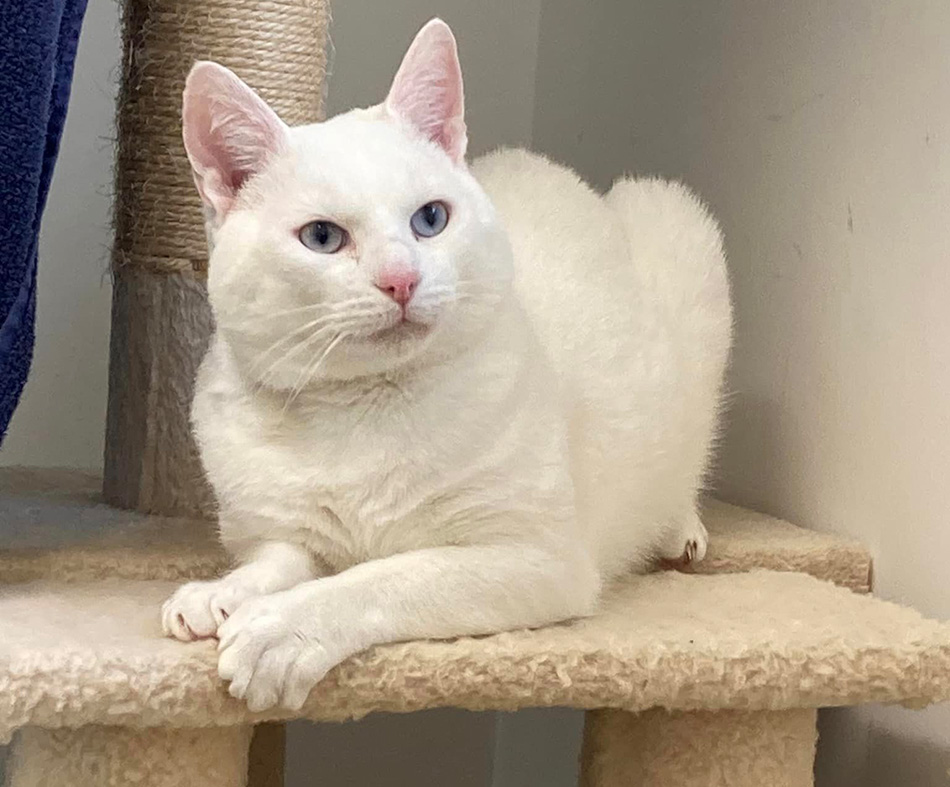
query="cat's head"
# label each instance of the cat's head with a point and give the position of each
(349, 247)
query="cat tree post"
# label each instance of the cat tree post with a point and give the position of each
(160, 317)
(95, 756)
(161, 321)
(725, 748)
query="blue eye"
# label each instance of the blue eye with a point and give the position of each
(430, 219)
(324, 237)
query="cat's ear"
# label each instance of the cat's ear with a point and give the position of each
(427, 91)
(229, 133)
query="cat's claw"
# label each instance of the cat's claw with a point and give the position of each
(197, 609)
(695, 551)
(688, 546)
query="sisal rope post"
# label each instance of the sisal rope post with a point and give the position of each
(161, 321)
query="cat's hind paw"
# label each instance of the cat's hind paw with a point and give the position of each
(687, 544)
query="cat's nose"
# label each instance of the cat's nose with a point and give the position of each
(399, 284)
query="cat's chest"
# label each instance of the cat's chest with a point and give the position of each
(360, 473)
(353, 485)
(366, 478)
(379, 471)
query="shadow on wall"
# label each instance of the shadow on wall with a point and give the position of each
(841, 759)
(433, 747)
(751, 425)
(894, 759)
(538, 747)
(855, 750)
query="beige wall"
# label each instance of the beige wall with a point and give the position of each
(820, 132)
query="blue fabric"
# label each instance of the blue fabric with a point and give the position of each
(38, 40)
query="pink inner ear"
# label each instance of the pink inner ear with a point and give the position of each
(427, 91)
(229, 133)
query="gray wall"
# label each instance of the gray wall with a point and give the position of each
(827, 151)
(819, 130)
(498, 43)
(61, 417)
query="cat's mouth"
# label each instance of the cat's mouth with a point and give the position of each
(403, 329)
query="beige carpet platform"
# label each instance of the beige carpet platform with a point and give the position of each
(81, 653)
(63, 529)
(674, 663)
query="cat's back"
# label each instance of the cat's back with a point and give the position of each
(629, 297)
(573, 269)
(558, 226)
(627, 290)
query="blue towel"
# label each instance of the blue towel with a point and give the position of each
(38, 40)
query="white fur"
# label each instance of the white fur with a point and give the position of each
(544, 426)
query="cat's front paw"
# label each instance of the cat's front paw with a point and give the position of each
(271, 657)
(197, 609)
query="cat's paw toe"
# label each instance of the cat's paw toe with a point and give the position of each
(186, 615)
(224, 602)
(197, 609)
(267, 661)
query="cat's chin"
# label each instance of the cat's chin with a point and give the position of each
(384, 348)
(402, 331)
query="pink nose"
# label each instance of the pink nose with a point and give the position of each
(398, 284)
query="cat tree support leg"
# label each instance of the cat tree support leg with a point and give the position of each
(98, 756)
(699, 749)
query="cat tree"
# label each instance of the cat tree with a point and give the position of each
(688, 680)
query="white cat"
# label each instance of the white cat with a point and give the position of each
(439, 400)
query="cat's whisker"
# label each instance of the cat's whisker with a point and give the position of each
(297, 347)
(299, 310)
(310, 370)
(298, 383)
(334, 308)
(344, 326)
(326, 354)
(316, 323)
(285, 337)
(488, 280)
(264, 379)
